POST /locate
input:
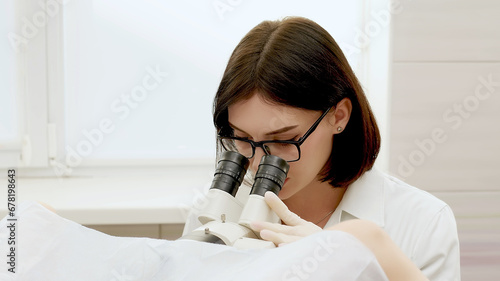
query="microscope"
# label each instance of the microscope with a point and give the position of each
(227, 221)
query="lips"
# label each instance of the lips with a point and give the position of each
(285, 181)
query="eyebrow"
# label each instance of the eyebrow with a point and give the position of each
(275, 132)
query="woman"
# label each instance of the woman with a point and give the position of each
(289, 91)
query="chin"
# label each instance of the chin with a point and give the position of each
(285, 193)
(283, 196)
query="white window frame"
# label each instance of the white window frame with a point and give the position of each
(377, 71)
(30, 148)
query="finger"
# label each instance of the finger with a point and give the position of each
(301, 230)
(282, 210)
(275, 227)
(277, 238)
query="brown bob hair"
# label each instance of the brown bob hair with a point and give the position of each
(295, 62)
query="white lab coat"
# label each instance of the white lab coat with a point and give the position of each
(420, 224)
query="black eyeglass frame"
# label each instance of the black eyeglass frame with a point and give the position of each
(261, 144)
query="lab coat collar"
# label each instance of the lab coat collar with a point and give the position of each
(363, 199)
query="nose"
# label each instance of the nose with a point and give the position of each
(255, 161)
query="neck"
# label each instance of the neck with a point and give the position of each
(315, 201)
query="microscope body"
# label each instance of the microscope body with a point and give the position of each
(225, 219)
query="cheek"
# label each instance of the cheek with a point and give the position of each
(315, 153)
(318, 150)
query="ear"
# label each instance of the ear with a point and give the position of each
(341, 115)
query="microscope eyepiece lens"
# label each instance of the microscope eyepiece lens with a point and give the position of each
(231, 169)
(270, 176)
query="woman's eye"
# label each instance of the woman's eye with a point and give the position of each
(294, 138)
(283, 144)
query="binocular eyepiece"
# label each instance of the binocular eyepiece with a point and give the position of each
(232, 167)
(270, 176)
(231, 170)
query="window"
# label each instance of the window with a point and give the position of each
(10, 142)
(132, 82)
(8, 114)
(114, 48)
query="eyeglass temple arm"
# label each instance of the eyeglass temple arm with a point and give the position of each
(313, 127)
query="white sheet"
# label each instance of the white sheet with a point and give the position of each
(50, 247)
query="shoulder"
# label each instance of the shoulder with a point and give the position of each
(410, 208)
(397, 192)
(405, 212)
(387, 201)
(424, 227)
(414, 215)
(378, 195)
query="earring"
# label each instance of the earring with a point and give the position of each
(339, 129)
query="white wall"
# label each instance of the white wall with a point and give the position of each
(445, 130)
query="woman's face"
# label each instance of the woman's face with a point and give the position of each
(259, 120)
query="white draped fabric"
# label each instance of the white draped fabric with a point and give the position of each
(49, 247)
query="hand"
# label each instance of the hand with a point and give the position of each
(295, 228)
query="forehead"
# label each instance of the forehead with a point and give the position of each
(255, 115)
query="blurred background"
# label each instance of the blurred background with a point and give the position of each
(105, 105)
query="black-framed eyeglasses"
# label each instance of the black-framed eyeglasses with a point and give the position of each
(288, 150)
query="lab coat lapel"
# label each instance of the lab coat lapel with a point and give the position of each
(364, 199)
